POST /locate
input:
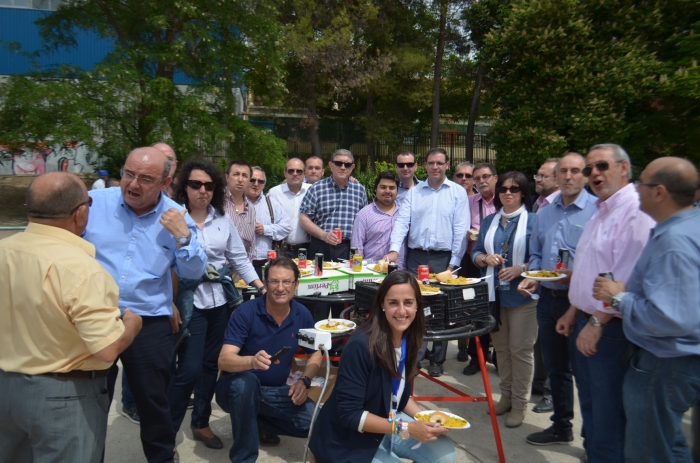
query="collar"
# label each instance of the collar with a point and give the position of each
(479, 196)
(579, 202)
(549, 199)
(61, 234)
(285, 188)
(128, 208)
(447, 182)
(335, 185)
(619, 197)
(229, 198)
(415, 183)
(396, 204)
(675, 220)
(255, 203)
(262, 310)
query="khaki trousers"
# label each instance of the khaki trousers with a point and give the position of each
(514, 344)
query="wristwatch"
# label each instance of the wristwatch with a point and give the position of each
(185, 240)
(261, 290)
(306, 380)
(403, 432)
(483, 258)
(595, 322)
(616, 300)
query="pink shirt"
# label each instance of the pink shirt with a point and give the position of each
(611, 241)
(543, 202)
(488, 208)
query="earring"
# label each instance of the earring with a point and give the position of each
(383, 310)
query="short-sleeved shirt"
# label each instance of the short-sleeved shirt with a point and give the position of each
(329, 206)
(252, 329)
(58, 305)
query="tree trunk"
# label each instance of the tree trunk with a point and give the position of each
(371, 154)
(312, 121)
(435, 125)
(473, 112)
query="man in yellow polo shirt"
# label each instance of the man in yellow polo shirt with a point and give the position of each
(60, 331)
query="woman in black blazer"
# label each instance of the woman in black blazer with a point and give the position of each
(353, 425)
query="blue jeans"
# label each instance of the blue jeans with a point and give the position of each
(242, 396)
(197, 365)
(556, 350)
(599, 382)
(657, 392)
(438, 451)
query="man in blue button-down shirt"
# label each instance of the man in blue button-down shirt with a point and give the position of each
(139, 235)
(559, 225)
(660, 310)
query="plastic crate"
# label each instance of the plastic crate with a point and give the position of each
(465, 302)
(365, 293)
(434, 309)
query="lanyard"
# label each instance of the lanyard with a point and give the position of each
(395, 383)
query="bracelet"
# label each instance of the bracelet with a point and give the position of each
(483, 258)
(522, 267)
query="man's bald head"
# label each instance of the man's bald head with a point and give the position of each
(679, 177)
(152, 155)
(54, 195)
(169, 153)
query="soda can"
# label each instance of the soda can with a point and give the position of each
(356, 263)
(563, 260)
(272, 254)
(353, 251)
(339, 234)
(423, 272)
(318, 263)
(301, 255)
(609, 276)
(393, 266)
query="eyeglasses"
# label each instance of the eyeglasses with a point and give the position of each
(464, 175)
(276, 283)
(541, 177)
(602, 166)
(483, 177)
(401, 165)
(435, 164)
(197, 185)
(341, 164)
(88, 202)
(295, 171)
(141, 180)
(648, 185)
(258, 180)
(512, 189)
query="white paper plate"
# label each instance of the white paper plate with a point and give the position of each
(331, 265)
(340, 330)
(470, 281)
(429, 412)
(561, 276)
(430, 294)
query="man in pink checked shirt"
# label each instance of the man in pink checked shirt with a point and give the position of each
(611, 241)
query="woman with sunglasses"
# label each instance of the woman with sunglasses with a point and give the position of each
(502, 253)
(209, 300)
(374, 384)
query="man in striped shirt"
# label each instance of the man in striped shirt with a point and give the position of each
(237, 206)
(371, 232)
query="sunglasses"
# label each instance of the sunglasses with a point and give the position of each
(258, 180)
(401, 165)
(602, 166)
(463, 175)
(197, 185)
(341, 164)
(512, 189)
(295, 171)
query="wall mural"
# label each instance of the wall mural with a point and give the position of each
(68, 157)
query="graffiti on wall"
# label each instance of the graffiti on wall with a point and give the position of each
(68, 157)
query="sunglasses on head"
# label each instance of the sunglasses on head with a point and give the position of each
(401, 165)
(341, 164)
(196, 185)
(258, 180)
(512, 189)
(295, 171)
(602, 166)
(463, 175)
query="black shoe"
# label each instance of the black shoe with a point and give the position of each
(268, 440)
(544, 406)
(462, 355)
(209, 442)
(190, 404)
(435, 369)
(548, 437)
(471, 369)
(131, 414)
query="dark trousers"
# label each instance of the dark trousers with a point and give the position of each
(557, 352)
(330, 252)
(197, 365)
(147, 364)
(540, 380)
(438, 262)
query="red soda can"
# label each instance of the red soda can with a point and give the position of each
(339, 234)
(609, 276)
(318, 262)
(423, 272)
(272, 254)
(563, 261)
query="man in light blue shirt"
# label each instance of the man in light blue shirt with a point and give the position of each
(139, 235)
(660, 309)
(558, 226)
(435, 216)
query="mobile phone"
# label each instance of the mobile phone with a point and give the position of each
(279, 354)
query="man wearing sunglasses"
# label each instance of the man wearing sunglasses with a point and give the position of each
(464, 176)
(406, 166)
(611, 241)
(271, 225)
(290, 194)
(140, 235)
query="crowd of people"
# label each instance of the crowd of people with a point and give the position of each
(144, 272)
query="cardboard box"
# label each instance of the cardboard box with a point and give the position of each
(366, 275)
(332, 281)
(315, 392)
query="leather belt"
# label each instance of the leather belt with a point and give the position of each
(563, 293)
(78, 374)
(260, 262)
(431, 251)
(587, 316)
(295, 247)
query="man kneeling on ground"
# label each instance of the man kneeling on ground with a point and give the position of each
(253, 386)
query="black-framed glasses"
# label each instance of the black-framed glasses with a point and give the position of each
(484, 177)
(88, 202)
(260, 181)
(464, 175)
(401, 165)
(341, 164)
(602, 166)
(512, 189)
(295, 171)
(648, 185)
(196, 185)
(141, 180)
